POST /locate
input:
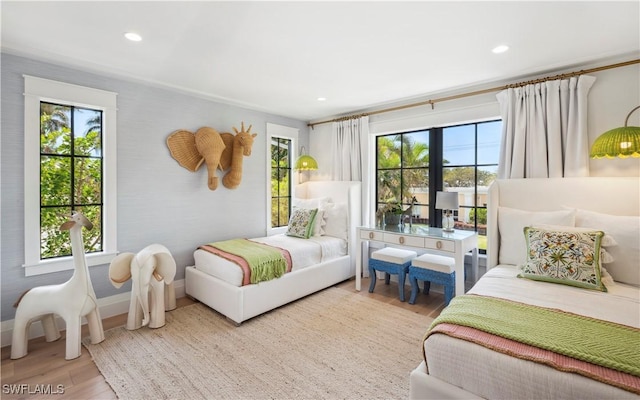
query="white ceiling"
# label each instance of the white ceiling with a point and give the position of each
(279, 57)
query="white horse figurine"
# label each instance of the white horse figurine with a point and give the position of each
(71, 300)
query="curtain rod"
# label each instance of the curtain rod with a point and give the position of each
(478, 92)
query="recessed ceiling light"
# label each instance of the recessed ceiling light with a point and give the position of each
(500, 49)
(322, 99)
(134, 37)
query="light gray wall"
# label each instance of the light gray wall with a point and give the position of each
(158, 200)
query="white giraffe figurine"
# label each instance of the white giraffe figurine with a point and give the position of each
(71, 300)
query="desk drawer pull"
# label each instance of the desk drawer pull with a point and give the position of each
(401, 240)
(438, 245)
(371, 235)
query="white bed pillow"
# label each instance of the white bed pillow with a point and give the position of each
(606, 278)
(626, 231)
(319, 203)
(337, 224)
(511, 223)
(311, 203)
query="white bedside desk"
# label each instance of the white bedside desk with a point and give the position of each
(420, 237)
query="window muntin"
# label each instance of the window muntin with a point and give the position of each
(280, 181)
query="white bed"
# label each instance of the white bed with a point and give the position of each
(318, 262)
(464, 370)
(304, 253)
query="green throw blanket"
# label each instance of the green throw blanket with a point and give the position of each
(265, 262)
(595, 341)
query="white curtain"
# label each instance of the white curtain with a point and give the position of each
(350, 157)
(544, 129)
(347, 148)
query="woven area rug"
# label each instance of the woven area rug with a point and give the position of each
(332, 344)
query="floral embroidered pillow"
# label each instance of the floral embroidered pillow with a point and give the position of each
(570, 258)
(301, 222)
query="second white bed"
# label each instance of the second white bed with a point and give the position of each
(304, 252)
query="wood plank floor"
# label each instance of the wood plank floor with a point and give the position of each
(45, 369)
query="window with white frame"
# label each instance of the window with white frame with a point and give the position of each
(70, 165)
(281, 142)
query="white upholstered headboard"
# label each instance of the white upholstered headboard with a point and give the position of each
(609, 195)
(348, 192)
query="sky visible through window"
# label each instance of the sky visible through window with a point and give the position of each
(82, 121)
(459, 144)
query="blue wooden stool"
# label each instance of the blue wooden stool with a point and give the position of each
(391, 261)
(433, 268)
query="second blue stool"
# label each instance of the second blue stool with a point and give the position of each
(433, 268)
(391, 261)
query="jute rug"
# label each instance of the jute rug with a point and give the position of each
(334, 344)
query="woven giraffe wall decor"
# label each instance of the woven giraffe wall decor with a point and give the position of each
(223, 151)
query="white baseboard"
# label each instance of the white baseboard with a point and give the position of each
(109, 307)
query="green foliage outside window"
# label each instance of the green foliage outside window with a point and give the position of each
(466, 177)
(280, 181)
(70, 176)
(481, 213)
(403, 162)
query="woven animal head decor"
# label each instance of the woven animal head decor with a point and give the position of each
(242, 143)
(222, 151)
(210, 145)
(191, 150)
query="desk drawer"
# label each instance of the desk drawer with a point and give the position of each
(397, 238)
(440, 244)
(371, 235)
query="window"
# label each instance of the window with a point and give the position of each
(280, 181)
(69, 166)
(281, 142)
(412, 166)
(70, 175)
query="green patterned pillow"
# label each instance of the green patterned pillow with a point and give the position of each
(301, 222)
(570, 258)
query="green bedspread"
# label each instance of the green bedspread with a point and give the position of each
(595, 341)
(266, 262)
